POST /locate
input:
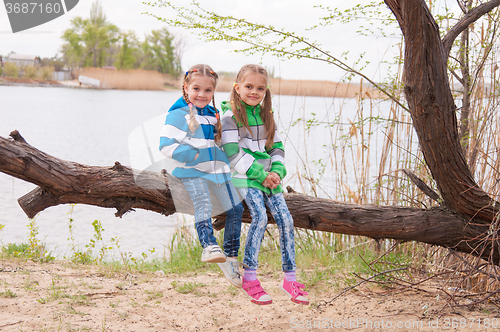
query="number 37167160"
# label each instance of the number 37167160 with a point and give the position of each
(33, 7)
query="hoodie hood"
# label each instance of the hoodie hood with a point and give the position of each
(225, 106)
(181, 104)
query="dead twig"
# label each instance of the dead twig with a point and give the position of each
(129, 280)
(9, 324)
(359, 283)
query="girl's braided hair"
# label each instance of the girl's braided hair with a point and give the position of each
(266, 113)
(206, 70)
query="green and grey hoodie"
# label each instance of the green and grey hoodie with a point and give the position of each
(250, 160)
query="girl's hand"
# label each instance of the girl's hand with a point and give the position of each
(276, 177)
(272, 181)
(269, 183)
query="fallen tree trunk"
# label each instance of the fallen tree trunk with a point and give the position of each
(122, 188)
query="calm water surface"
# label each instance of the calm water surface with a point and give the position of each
(99, 127)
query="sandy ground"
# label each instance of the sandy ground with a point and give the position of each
(60, 297)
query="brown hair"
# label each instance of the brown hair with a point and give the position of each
(266, 112)
(205, 70)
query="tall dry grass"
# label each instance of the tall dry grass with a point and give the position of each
(134, 79)
(309, 88)
(138, 79)
(367, 151)
(322, 89)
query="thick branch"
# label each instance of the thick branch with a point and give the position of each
(470, 17)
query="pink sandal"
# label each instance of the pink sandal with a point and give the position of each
(256, 292)
(295, 291)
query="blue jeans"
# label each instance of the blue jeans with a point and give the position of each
(256, 201)
(198, 189)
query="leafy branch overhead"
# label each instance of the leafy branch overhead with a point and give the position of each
(258, 38)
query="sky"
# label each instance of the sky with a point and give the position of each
(293, 15)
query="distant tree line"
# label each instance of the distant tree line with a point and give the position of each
(95, 42)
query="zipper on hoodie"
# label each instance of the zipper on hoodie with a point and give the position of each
(213, 159)
(258, 140)
(258, 144)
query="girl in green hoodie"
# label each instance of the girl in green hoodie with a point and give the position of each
(257, 157)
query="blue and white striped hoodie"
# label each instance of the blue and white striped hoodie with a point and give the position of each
(180, 144)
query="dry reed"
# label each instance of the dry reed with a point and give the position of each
(321, 89)
(137, 79)
(366, 151)
(134, 79)
(309, 88)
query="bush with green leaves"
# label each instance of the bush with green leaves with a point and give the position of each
(10, 69)
(47, 73)
(29, 72)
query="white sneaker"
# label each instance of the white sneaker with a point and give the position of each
(232, 272)
(213, 254)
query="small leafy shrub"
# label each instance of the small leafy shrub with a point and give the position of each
(10, 69)
(29, 72)
(47, 73)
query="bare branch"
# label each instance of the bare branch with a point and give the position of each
(421, 185)
(469, 18)
(359, 283)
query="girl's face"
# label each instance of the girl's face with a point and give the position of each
(252, 89)
(200, 90)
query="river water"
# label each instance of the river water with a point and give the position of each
(99, 127)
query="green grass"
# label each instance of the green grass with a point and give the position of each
(15, 250)
(8, 294)
(324, 260)
(153, 295)
(317, 254)
(186, 288)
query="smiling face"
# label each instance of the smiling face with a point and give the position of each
(252, 89)
(200, 90)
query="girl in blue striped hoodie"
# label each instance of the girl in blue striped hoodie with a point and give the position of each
(191, 136)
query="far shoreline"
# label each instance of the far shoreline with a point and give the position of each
(278, 87)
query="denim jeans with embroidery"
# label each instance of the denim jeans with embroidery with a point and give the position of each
(199, 191)
(257, 201)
